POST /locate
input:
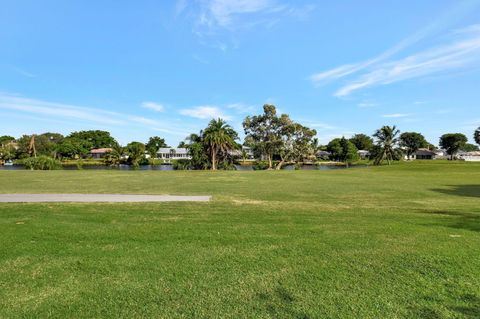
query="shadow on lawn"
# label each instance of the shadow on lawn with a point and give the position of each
(469, 309)
(461, 220)
(460, 190)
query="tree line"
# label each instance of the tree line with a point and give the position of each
(275, 139)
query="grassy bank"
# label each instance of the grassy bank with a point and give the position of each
(378, 242)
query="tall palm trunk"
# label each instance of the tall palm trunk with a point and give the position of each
(214, 158)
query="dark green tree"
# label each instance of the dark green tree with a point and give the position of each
(411, 142)
(452, 143)
(335, 149)
(154, 144)
(349, 153)
(6, 139)
(476, 136)
(136, 153)
(469, 147)
(362, 141)
(96, 138)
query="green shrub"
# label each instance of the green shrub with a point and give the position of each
(41, 163)
(260, 165)
(182, 164)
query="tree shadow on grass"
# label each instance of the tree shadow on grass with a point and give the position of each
(461, 220)
(460, 190)
(469, 308)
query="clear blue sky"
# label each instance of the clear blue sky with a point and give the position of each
(143, 68)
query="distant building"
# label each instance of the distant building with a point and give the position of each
(441, 154)
(98, 153)
(239, 153)
(422, 154)
(363, 154)
(470, 156)
(323, 155)
(169, 153)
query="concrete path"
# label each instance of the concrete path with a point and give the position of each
(93, 198)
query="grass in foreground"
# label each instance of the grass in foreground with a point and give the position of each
(386, 242)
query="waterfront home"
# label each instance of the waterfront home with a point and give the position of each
(98, 153)
(170, 153)
(363, 154)
(422, 154)
(469, 156)
(247, 151)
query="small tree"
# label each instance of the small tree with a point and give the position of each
(335, 149)
(412, 141)
(476, 136)
(136, 153)
(386, 141)
(219, 137)
(154, 144)
(452, 142)
(349, 153)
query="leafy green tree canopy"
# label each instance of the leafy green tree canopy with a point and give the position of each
(476, 136)
(452, 142)
(362, 141)
(469, 147)
(412, 141)
(154, 144)
(5, 139)
(96, 138)
(135, 152)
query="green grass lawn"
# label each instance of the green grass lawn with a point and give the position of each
(380, 242)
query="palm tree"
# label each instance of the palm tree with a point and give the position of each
(386, 141)
(114, 157)
(219, 137)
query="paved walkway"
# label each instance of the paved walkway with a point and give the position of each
(93, 198)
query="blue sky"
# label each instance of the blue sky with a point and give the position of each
(144, 68)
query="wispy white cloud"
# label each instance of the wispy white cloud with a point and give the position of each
(87, 116)
(153, 106)
(242, 108)
(382, 69)
(396, 115)
(220, 17)
(205, 112)
(459, 54)
(23, 72)
(367, 104)
(34, 106)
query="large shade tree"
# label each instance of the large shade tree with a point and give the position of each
(452, 143)
(386, 141)
(219, 137)
(264, 133)
(362, 141)
(411, 142)
(96, 138)
(476, 136)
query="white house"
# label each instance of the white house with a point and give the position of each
(470, 156)
(363, 154)
(422, 154)
(169, 153)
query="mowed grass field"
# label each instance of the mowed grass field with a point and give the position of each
(381, 242)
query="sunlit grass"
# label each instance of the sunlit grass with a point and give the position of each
(386, 242)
